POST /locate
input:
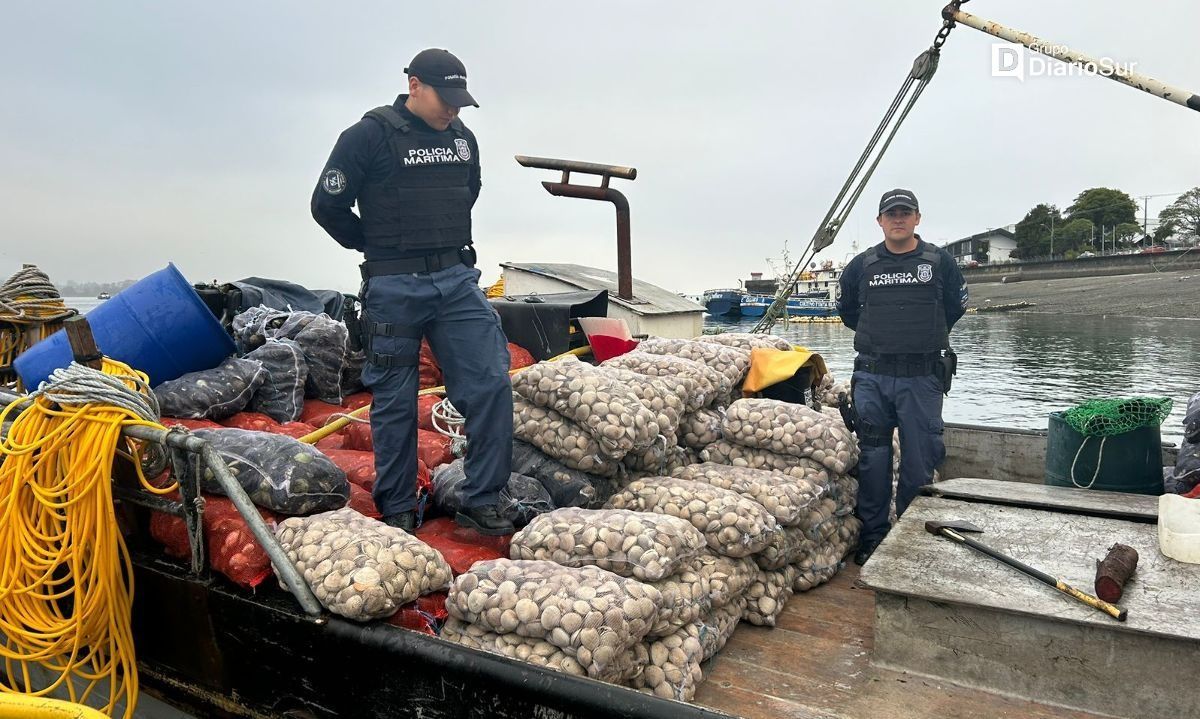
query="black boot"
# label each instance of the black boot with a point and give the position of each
(403, 520)
(865, 550)
(485, 520)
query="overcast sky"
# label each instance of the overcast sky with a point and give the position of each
(132, 134)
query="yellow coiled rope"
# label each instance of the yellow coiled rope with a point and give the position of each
(66, 580)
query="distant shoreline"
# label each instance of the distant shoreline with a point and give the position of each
(1161, 295)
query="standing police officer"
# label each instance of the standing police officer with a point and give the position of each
(413, 169)
(901, 298)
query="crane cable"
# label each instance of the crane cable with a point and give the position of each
(922, 71)
(66, 579)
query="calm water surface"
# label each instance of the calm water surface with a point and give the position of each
(1014, 369)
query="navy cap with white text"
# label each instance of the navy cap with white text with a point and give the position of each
(898, 198)
(445, 72)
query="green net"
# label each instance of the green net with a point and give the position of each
(1108, 417)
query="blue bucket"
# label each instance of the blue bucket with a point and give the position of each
(159, 326)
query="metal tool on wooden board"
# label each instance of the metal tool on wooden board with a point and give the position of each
(953, 530)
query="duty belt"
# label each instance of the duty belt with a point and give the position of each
(898, 365)
(428, 263)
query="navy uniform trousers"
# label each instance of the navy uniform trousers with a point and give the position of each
(465, 334)
(882, 403)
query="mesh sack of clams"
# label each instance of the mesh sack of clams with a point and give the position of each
(784, 496)
(767, 595)
(726, 452)
(732, 525)
(828, 392)
(786, 428)
(826, 558)
(731, 362)
(559, 438)
(727, 577)
(589, 613)
(642, 545)
(687, 595)
(665, 396)
(844, 490)
(700, 428)
(747, 341)
(538, 652)
(716, 627)
(652, 460)
(790, 546)
(567, 487)
(360, 568)
(821, 521)
(708, 382)
(670, 666)
(599, 404)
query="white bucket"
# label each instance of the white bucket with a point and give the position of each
(1179, 528)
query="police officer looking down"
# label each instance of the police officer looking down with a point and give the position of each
(413, 169)
(901, 298)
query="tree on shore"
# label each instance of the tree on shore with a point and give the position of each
(1104, 207)
(1181, 217)
(1074, 235)
(1034, 231)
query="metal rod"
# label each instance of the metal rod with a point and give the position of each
(245, 506)
(1112, 610)
(606, 194)
(590, 168)
(1059, 51)
(232, 489)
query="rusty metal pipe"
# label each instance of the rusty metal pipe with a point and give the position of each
(606, 194)
(1058, 51)
(589, 168)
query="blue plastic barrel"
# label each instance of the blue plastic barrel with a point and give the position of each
(159, 326)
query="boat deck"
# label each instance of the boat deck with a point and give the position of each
(816, 664)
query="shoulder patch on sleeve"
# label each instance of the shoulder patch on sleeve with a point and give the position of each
(334, 181)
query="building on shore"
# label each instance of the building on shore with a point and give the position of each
(997, 244)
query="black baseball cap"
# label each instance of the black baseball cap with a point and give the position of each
(442, 70)
(898, 198)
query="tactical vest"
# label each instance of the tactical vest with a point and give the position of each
(900, 304)
(425, 201)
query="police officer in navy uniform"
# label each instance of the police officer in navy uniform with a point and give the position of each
(413, 169)
(901, 298)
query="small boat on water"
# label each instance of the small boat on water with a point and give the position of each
(104, 296)
(797, 306)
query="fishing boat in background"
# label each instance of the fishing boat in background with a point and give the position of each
(723, 302)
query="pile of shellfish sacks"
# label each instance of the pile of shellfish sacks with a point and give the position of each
(720, 509)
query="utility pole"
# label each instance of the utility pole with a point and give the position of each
(1145, 215)
(1052, 237)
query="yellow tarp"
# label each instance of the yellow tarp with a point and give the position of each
(771, 366)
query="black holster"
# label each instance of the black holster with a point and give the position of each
(945, 369)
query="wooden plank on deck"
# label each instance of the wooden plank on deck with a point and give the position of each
(1161, 597)
(1139, 507)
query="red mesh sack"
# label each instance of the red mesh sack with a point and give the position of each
(430, 372)
(518, 357)
(358, 466)
(317, 413)
(358, 435)
(189, 424)
(426, 615)
(425, 405)
(362, 502)
(256, 421)
(337, 440)
(232, 549)
(356, 400)
(294, 429)
(460, 546)
(433, 448)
